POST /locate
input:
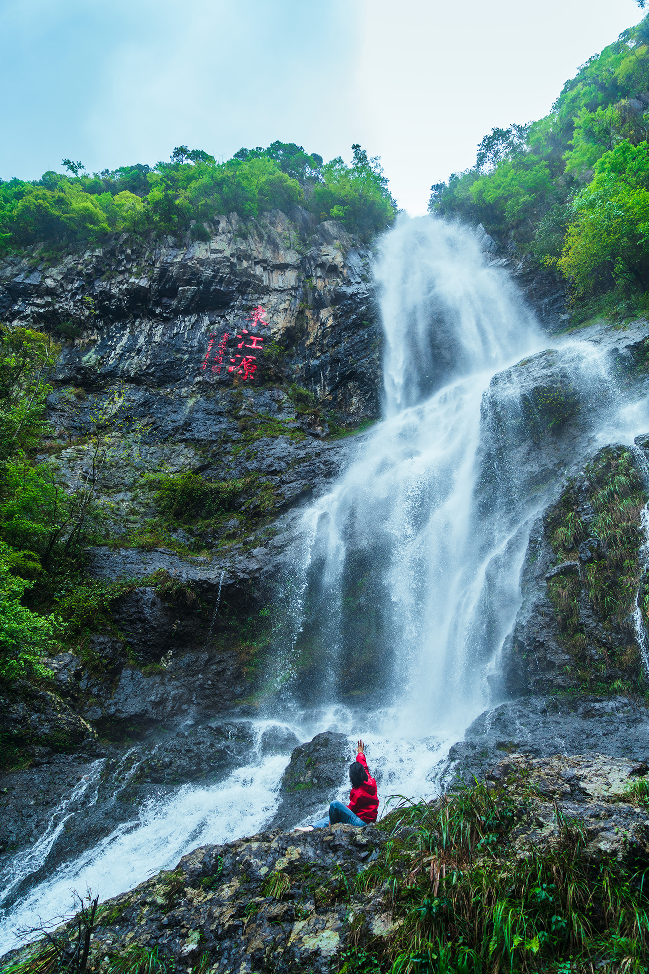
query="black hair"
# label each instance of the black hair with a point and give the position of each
(357, 774)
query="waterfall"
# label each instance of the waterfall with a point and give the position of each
(407, 582)
(407, 593)
(638, 621)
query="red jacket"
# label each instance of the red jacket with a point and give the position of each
(364, 801)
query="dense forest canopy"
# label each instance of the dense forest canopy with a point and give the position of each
(188, 192)
(572, 189)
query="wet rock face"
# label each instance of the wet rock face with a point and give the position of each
(37, 721)
(538, 421)
(544, 289)
(540, 726)
(547, 408)
(315, 774)
(144, 312)
(581, 584)
(140, 323)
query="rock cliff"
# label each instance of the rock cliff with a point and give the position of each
(161, 685)
(138, 322)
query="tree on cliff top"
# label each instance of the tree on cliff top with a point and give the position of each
(570, 188)
(187, 192)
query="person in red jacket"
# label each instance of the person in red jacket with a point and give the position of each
(363, 798)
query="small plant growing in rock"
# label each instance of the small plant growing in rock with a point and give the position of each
(137, 960)
(276, 885)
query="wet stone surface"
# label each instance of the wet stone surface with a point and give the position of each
(542, 726)
(316, 772)
(296, 901)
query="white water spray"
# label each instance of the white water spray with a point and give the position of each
(409, 581)
(401, 523)
(216, 606)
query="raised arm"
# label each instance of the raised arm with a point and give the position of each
(360, 757)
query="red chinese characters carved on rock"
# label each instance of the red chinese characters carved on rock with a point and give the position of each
(218, 358)
(258, 317)
(243, 364)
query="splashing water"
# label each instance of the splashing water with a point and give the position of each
(32, 860)
(155, 840)
(408, 581)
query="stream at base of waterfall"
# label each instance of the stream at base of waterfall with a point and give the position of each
(407, 582)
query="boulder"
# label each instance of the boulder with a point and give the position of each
(316, 773)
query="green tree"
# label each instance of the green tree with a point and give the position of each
(76, 168)
(356, 195)
(24, 636)
(26, 358)
(607, 242)
(500, 144)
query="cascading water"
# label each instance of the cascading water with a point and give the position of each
(408, 582)
(397, 562)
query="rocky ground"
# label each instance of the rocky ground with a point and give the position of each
(315, 901)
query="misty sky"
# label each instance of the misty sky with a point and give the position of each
(418, 82)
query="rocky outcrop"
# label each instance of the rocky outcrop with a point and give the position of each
(580, 625)
(141, 312)
(554, 725)
(544, 288)
(311, 902)
(40, 719)
(316, 772)
(547, 408)
(139, 398)
(584, 559)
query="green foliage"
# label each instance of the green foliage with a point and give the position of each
(465, 901)
(26, 356)
(291, 159)
(276, 885)
(356, 195)
(638, 792)
(188, 192)
(528, 185)
(608, 240)
(44, 959)
(24, 636)
(303, 400)
(515, 191)
(356, 960)
(44, 526)
(137, 960)
(187, 496)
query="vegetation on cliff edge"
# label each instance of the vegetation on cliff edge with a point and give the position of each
(187, 193)
(572, 189)
(604, 511)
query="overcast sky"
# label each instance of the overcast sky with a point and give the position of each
(418, 82)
